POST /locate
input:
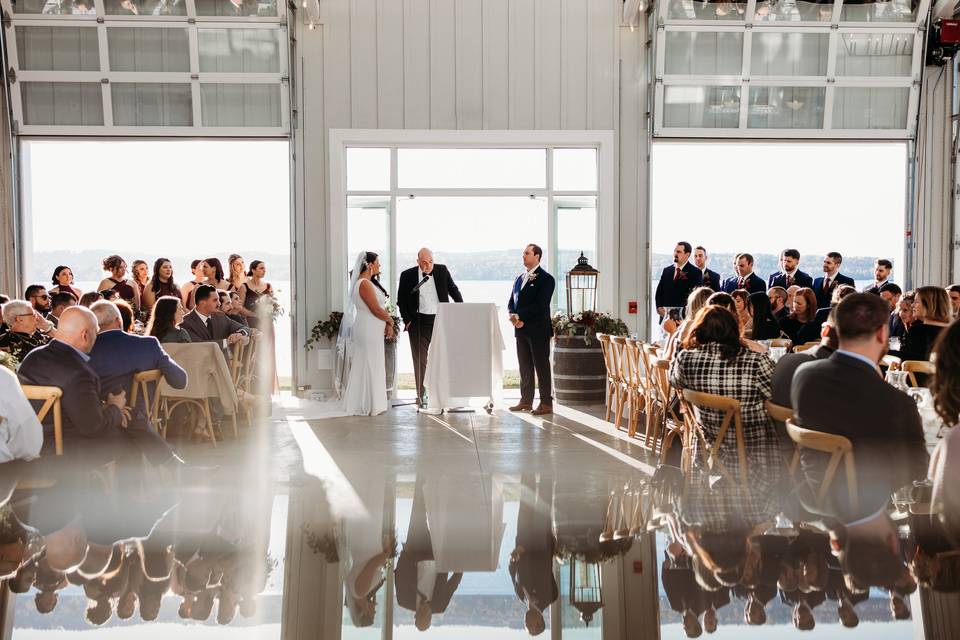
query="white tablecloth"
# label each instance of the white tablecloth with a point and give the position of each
(465, 515)
(466, 355)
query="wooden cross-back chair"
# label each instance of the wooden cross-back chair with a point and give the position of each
(141, 384)
(913, 367)
(50, 396)
(731, 416)
(839, 448)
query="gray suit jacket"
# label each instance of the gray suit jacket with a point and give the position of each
(221, 327)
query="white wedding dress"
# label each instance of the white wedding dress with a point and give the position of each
(365, 392)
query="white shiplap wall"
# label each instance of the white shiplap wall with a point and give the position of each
(466, 64)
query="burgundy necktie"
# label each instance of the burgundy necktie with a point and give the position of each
(826, 284)
(676, 274)
(789, 281)
(743, 283)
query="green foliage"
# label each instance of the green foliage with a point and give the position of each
(328, 329)
(587, 325)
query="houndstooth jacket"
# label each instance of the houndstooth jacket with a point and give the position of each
(747, 378)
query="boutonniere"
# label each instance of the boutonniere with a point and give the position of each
(682, 275)
(532, 277)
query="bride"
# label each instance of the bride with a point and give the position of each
(360, 345)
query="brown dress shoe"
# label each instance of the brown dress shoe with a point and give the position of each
(542, 410)
(521, 407)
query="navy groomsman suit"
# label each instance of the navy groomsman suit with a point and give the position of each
(711, 279)
(675, 285)
(752, 283)
(824, 293)
(780, 279)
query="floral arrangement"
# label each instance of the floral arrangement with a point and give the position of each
(587, 325)
(397, 323)
(267, 303)
(9, 361)
(328, 329)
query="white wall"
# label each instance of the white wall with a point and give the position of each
(466, 64)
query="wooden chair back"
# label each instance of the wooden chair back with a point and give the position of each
(50, 396)
(786, 343)
(141, 384)
(913, 367)
(731, 415)
(781, 414)
(839, 448)
(619, 351)
(236, 362)
(890, 362)
(806, 346)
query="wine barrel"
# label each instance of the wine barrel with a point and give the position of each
(579, 373)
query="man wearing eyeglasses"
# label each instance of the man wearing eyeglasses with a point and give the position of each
(39, 299)
(25, 324)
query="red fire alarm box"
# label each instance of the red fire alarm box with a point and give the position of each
(632, 306)
(950, 31)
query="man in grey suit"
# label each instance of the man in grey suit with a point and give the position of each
(206, 324)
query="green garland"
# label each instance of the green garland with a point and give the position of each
(587, 325)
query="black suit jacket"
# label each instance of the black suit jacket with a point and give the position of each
(754, 284)
(221, 327)
(532, 305)
(674, 292)
(779, 279)
(531, 564)
(711, 279)
(408, 300)
(58, 365)
(783, 372)
(823, 297)
(845, 396)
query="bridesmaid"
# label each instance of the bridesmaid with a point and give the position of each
(255, 288)
(126, 289)
(213, 272)
(160, 284)
(141, 277)
(238, 281)
(197, 267)
(63, 282)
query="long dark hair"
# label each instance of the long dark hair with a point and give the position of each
(946, 381)
(368, 260)
(716, 325)
(155, 278)
(218, 268)
(162, 316)
(765, 326)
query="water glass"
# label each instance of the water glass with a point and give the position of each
(894, 343)
(777, 352)
(898, 379)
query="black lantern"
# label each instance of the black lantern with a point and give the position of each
(582, 287)
(585, 594)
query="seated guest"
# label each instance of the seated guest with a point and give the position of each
(117, 280)
(726, 301)
(63, 282)
(165, 321)
(765, 325)
(954, 292)
(59, 302)
(110, 295)
(902, 319)
(205, 324)
(118, 355)
(891, 293)
(64, 363)
(677, 280)
(846, 395)
(882, 269)
(789, 274)
(823, 287)
(791, 294)
(932, 308)
(839, 293)
(89, 298)
(696, 301)
(745, 279)
(787, 365)
(711, 278)
(801, 325)
(945, 463)
(946, 381)
(126, 314)
(39, 299)
(778, 302)
(713, 360)
(160, 284)
(21, 435)
(23, 329)
(228, 305)
(744, 317)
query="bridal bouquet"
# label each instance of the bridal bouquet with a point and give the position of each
(268, 304)
(587, 325)
(397, 323)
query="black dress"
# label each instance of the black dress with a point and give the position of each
(124, 290)
(801, 332)
(250, 301)
(918, 342)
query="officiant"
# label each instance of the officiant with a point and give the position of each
(421, 290)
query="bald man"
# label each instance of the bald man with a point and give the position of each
(88, 423)
(421, 290)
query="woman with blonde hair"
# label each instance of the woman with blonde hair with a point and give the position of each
(238, 278)
(932, 312)
(695, 301)
(141, 276)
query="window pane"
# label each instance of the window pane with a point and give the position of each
(240, 105)
(875, 54)
(151, 104)
(140, 49)
(472, 168)
(368, 229)
(690, 10)
(575, 169)
(576, 232)
(786, 107)
(146, 7)
(368, 169)
(56, 7)
(58, 49)
(789, 54)
(712, 107)
(62, 103)
(237, 8)
(870, 108)
(704, 53)
(793, 11)
(895, 11)
(239, 50)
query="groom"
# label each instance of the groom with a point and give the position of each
(421, 290)
(529, 308)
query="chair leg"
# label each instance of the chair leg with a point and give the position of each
(209, 421)
(634, 413)
(236, 432)
(619, 407)
(610, 392)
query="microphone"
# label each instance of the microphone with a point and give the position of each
(421, 283)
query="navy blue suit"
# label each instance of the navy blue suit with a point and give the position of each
(117, 356)
(823, 297)
(711, 279)
(779, 279)
(673, 291)
(754, 284)
(531, 303)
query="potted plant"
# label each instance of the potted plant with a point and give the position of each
(580, 372)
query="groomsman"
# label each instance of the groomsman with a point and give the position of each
(832, 278)
(789, 273)
(882, 269)
(529, 307)
(778, 302)
(745, 278)
(677, 280)
(710, 278)
(421, 290)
